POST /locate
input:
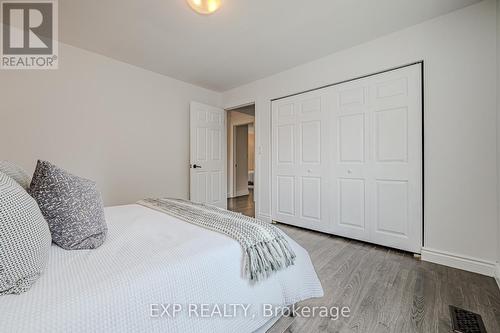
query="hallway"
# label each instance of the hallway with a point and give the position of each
(243, 204)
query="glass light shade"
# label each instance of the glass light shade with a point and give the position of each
(204, 6)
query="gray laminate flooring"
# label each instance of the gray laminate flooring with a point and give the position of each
(243, 204)
(387, 290)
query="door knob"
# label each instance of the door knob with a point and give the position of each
(196, 166)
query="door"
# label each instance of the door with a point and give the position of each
(299, 160)
(208, 155)
(347, 159)
(376, 180)
(241, 160)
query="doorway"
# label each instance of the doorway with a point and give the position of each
(241, 159)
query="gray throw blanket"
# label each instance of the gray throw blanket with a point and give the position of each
(265, 247)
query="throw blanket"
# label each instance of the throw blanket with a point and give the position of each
(264, 246)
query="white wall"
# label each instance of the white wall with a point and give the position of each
(234, 118)
(122, 126)
(498, 139)
(460, 124)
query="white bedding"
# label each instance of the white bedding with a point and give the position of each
(152, 258)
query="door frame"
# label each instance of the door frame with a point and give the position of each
(422, 66)
(233, 107)
(233, 167)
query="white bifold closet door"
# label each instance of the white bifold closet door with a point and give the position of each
(300, 160)
(347, 159)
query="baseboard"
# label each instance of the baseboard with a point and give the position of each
(497, 274)
(265, 218)
(241, 193)
(466, 263)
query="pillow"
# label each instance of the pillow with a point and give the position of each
(15, 172)
(71, 205)
(24, 238)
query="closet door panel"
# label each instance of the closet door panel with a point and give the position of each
(396, 173)
(351, 196)
(299, 170)
(347, 159)
(311, 198)
(286, 195)
(350, 147)
(285, 144)
(351, 133)
(378, 144)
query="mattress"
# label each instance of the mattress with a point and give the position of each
(151, 262)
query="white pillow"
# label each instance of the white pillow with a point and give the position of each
(16, 172)
(24, 238)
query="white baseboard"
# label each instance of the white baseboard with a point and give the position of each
(241, 193)
(466, 263)
(265, 218)
(497, 274)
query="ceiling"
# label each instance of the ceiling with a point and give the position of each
(243, 41)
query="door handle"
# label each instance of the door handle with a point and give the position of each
(196, 166)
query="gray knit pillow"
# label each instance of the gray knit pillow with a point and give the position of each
(71, 205)
(16, 172)
(24, 238)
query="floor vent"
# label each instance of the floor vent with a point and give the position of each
(464, 321)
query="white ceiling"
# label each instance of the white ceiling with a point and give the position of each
(244, 41)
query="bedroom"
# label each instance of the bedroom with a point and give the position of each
(139, 91)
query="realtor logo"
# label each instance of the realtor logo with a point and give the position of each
(29, 35)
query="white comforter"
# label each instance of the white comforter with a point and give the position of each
(149, 259)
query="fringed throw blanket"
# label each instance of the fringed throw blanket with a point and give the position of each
(265, 248)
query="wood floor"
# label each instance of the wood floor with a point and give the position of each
(386, 290)
(243, 204)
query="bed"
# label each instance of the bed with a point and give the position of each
(149, 262)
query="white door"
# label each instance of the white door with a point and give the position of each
(347, 159)
(208, 155)
(299, 160)
(376, 183)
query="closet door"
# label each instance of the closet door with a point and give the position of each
(299, 160)
(376, 155)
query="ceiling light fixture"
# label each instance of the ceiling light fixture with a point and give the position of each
(204, 7)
